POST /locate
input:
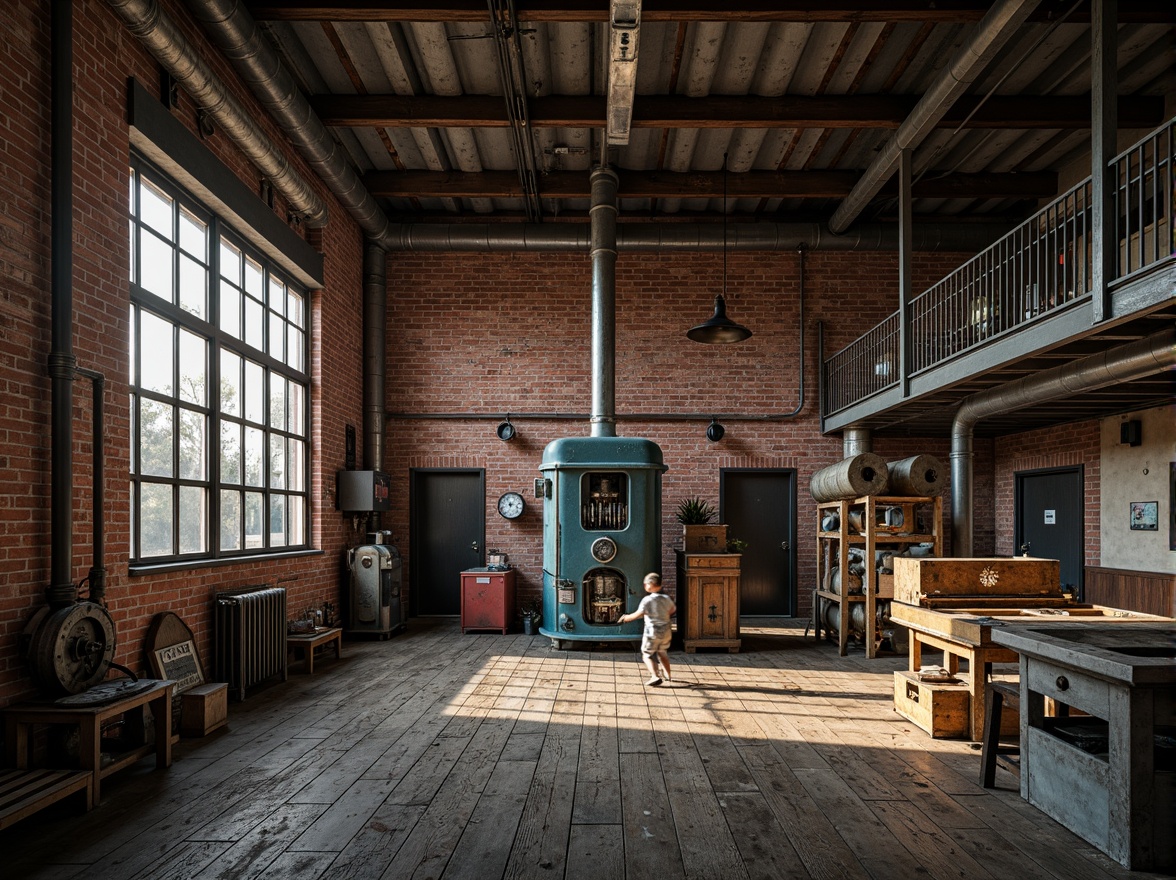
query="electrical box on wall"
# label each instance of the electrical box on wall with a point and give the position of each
(1131, 432)
(363, 491)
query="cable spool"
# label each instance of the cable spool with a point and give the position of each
(853, 477)
(69, 649)
(918, 475)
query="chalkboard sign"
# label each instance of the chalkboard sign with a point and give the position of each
(180, 664)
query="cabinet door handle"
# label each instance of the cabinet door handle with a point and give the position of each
(784, 545)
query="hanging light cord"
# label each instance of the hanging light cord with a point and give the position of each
(724, 210)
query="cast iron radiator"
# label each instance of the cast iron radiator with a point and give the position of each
(249, 637)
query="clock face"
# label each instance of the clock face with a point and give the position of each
(511, 505)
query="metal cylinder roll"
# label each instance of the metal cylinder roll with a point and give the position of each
(853, 477)
(917, 475)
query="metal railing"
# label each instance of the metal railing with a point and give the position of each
(1037, 269)
(1143, 201)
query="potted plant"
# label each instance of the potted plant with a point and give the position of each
(699, 535)
(531, 614)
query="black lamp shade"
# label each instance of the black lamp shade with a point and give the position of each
(718, 329)
(715, 431)
(506, 431)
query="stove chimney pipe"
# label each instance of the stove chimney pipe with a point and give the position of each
(603, 216)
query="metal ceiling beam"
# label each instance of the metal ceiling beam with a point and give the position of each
(666, 184)
(965, 67)
(935, 11)
(729, 111)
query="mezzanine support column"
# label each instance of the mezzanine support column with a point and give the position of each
(1104, 88)
(905, 241)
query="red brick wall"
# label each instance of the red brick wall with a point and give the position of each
(1063, 446)
(106, 54)
(492, 334)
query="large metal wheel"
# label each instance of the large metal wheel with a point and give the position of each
(70, 649)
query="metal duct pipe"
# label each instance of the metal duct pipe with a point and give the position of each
(60, 592)
(990, 36)
(575, 237)
(233, 30)
(855, 441)
(603, 214)
(168, 45)
(375, 362)
(1122, 364)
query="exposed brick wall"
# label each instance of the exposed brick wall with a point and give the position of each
(492, 334)
(1063, 446)
(106, 54)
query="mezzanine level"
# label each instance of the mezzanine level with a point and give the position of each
(1022, 305)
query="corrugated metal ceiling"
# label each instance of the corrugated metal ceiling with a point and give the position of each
(739, 68)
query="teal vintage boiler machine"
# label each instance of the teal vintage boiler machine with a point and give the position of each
(601, 534)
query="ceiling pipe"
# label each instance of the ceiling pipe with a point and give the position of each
(159, 33)
(999, 24)
(1135, 360)
(661, 237)
(233, 30)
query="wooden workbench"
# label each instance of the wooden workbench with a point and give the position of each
(964, 633)
(1098, 775)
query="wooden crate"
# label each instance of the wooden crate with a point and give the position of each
(704, 538)
(917, 580)
(942, 710)
(204, 708)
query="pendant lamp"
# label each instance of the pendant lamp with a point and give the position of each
(718, 329)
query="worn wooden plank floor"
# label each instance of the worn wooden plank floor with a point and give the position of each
(441, 755)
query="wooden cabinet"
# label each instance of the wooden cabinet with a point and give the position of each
(873, 523)
(708, 600)
(487, 599)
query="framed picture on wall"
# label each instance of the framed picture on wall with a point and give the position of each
(1145, 515)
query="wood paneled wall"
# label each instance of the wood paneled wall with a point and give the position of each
(1148, 591)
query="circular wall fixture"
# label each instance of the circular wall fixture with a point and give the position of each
(715, 431)
(506, 430)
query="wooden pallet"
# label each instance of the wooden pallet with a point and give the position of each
(24, 792)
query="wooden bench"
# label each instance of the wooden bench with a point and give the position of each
(24, 792)
(307, 642)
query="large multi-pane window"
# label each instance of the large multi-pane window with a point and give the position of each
(218, 386)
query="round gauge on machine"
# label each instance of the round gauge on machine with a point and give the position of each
(511, 505)
(604, 549)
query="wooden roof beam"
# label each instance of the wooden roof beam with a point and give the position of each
(942, 11)
(728, 111)
(693, 185)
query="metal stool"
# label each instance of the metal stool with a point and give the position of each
(995, 695)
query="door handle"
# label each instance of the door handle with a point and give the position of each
(474, 546)
(784, 545)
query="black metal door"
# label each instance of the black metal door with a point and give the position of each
(759, 507)
(448, 521)
(1049, 518)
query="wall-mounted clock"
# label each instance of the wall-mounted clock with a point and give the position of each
(511, 505)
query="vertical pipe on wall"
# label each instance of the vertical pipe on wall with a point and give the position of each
(62, 362)
(855, 441)
(603, 216)
(375, 319)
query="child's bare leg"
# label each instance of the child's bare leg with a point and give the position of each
(664, 657)
(651, 664)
